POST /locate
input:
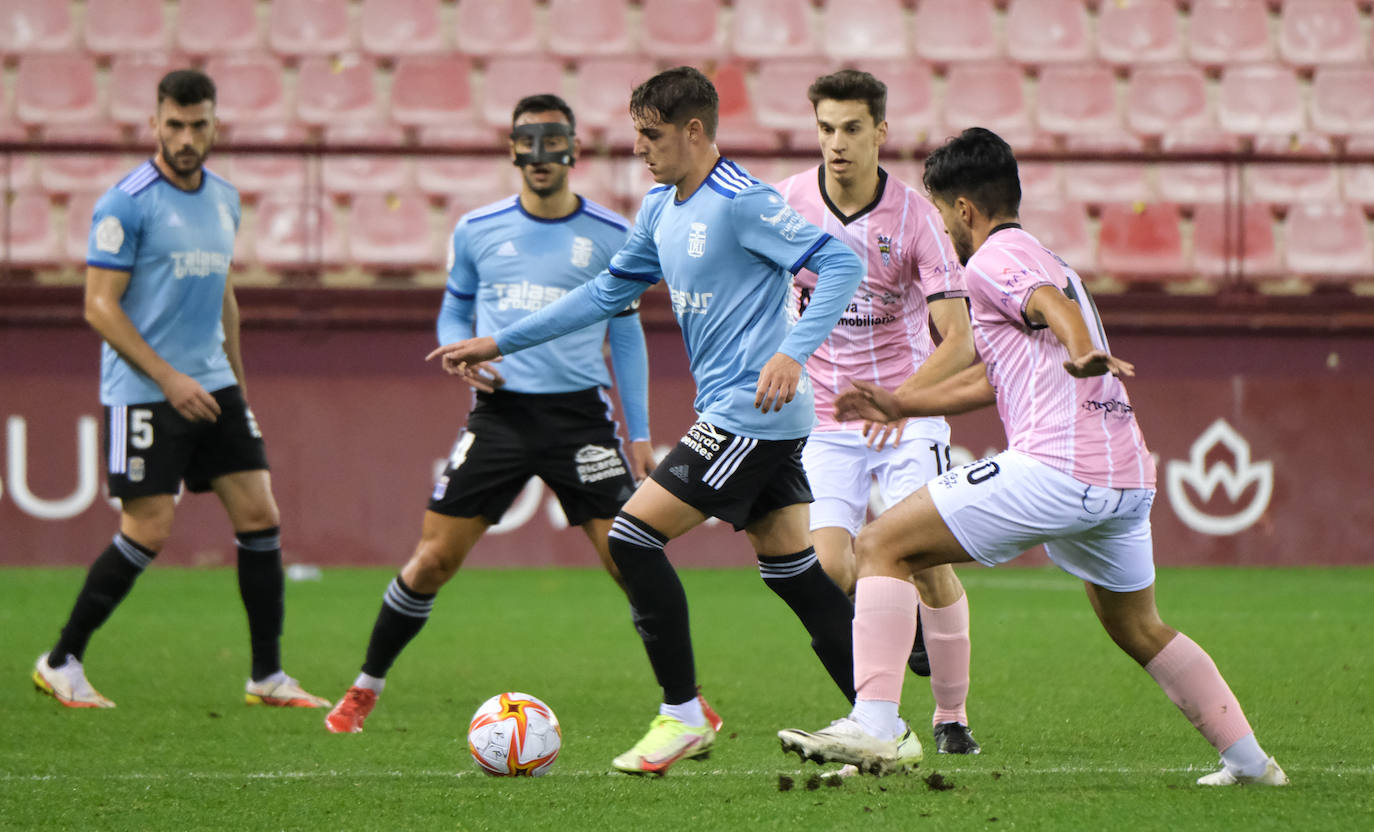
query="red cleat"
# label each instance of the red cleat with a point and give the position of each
(348, 716)
(712, 718)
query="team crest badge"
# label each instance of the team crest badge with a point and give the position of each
(885, 248)
(696, 240)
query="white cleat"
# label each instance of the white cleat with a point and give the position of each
(1272, 776)
(281, 691)
(843, 741)
(67, 684)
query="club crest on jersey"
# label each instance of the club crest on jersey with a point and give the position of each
(696, 240)
(581, 252)
(109, 235)
(885, 248)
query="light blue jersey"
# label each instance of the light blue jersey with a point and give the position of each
(728, 253)
(176, 246)
(506, 263)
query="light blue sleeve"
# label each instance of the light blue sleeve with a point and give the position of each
(630, 362)
(116, 225)
(596, 300)
(458, 316)
(838, 275)
(638, 259)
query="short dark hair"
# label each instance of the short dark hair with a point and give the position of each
(543, 103)
(851, 85)
(979, 165)
(677, 96)
(186, 87)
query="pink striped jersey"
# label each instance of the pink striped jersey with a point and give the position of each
(1084, 427)
(884, 335)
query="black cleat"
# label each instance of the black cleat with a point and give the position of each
(918, 661)
(955, 738)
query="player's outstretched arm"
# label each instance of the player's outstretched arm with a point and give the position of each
(462, 358)
(960, 393)
(1051, 307)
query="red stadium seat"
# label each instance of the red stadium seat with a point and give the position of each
(1231, 240)
(114, 26)
(432, 90)
(256, 173)
(956, 30)
(1293, 183)
(739, 127)
(1162, 99)
(1328, 239)
(986, 95)
(309, 27)
(507, 28)
(209, 26)
(35, 26)
(391, 232)
(865, 29)
(1141, 241)
(1341, 100)
(1077, 98)
(1359, 179)
(780, 96)
(1039, 181)
(1259, 99)
(64, 173)
(1190, 183)
(1105, 181)
(633, 182)
(470, 180)
(1223, 32)
(772, 29)
(1062, 227)
(583, 28)
(401, 27)
(1138, 31)
(331, 90)
(594, 178)
(248, 88)
(1047, 31)
(16, 169)
(76, 240)
(56, 88)
(682, 30)
(295, 232)
(133, 81)
(911, 114)
(365, 173)
(1320, 31)
(510, 79)
(28, 239)
(602, 103)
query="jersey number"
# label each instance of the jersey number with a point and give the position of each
(983, 472)
(141, 429)
(935, 449)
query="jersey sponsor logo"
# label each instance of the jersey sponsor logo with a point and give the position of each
(524, 295)
(581, 252)
(787, 221)
(226, 217)
(1204, 479)
(704, 439)
(696, 240)
(885, 248)
(690, 303)
(598, 462)
(199, 263)
(109, 235)
(507, 249)
(1113, 406)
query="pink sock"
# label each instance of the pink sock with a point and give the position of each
(1192, 682)
(884, 627)
(947, 644)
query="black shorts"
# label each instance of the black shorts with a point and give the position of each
(736, 478)
(150, 448)
(568, 440)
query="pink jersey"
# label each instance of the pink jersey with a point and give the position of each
(883, 336)
(1084, 427)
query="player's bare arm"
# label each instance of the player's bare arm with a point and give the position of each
(777, 383)
(104, 288)
(1051, 307)
(962, 392)
(462, 358)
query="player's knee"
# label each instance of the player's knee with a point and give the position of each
(630, 539)
(938, 586)
(1140, 636)
(870, 552)
(432, 565)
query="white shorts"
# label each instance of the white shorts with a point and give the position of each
(842, 469)
(1001, 506)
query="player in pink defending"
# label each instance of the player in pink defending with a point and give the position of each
(1076, 477)
(912, 275)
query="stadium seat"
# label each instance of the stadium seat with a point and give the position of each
(432, 90)
(1223, 32)
(582, 28)
(1229, 240)
(911, 113)
(400, 27)
(956, 30)
(309, 27)
(488, 29)
(77, 234)
(1358, 180)
(257, 173)
(1047, 31)
(739, 127)
(1105, 181)
(1138, 31)
(64, 173)
(1279, 183)
(1141, 241)
(508, 80)
(1189, 183)
(987, 95)
(115, 26)
(1320, 31)
(865, 29)
(633, 181)
(56, 88)
(1341, 100)
(331, 90)
(1162, 99)
(772, 29)
(28, 239)
(132, 83)
(603, 96)
(1077, 98)
(469, 180)
(682, 30)
(364, 173)
(16, 169)
(1328, 239)
(1062, 227)
(780, 100)
(595, 178)
(391, 232)
(248, 88)
(35, 26)
(295, 232)
(1039, 180)
(1259, 99)
(208, 26)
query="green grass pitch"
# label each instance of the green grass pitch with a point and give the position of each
(1075, 735)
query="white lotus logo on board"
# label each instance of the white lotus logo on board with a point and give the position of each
(1233, 481)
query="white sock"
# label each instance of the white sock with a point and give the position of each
(371, 683)
(275, 679)
(689, 713)
(1244, 756)
(878, 718)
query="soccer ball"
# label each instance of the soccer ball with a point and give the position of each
(514, 735)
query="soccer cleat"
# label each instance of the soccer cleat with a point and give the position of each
(67, 684)
(281, 691)
(843, 741)
(668, 741)
(711, 716)
(955, 738)
(348, 716)
(1272, 776)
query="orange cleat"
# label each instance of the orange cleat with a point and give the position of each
(348, 716)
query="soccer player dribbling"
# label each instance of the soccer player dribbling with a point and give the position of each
(1076, 477)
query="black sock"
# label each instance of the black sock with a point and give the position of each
(262, 586)
(403, 614)
(658, 605)
(108, 581)
(824, 609)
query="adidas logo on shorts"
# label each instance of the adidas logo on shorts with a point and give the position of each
(679, 471)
